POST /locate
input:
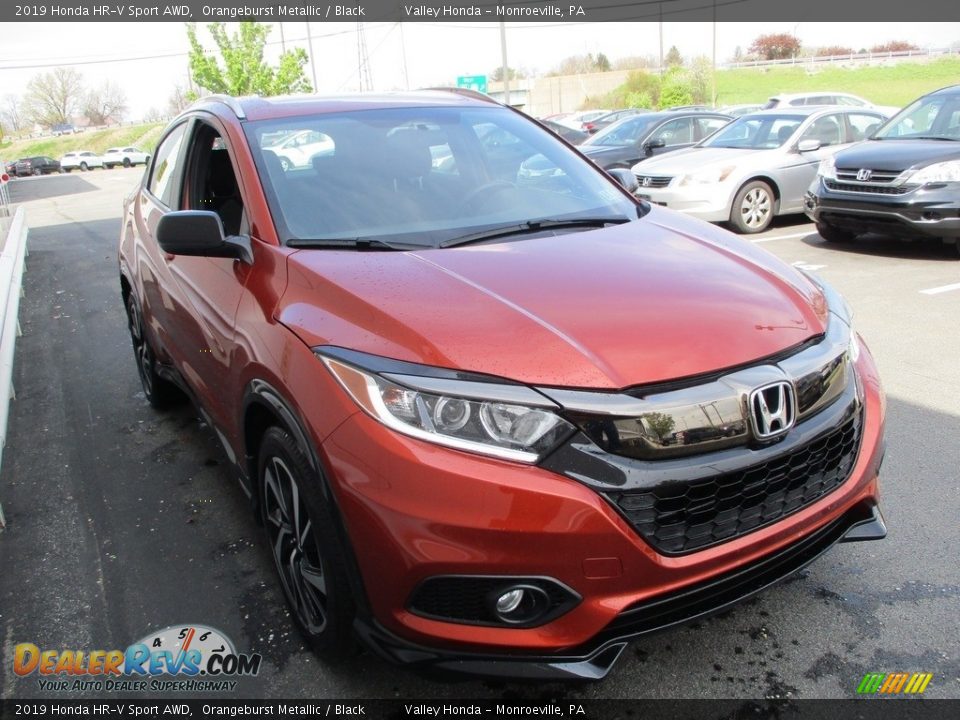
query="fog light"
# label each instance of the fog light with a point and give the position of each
(520, 604)
(510, 601)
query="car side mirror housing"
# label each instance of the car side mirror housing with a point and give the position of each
(808, 145)
(200, 233)
(652, 145)
(625, 178)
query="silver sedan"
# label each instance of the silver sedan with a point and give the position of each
(755, 168)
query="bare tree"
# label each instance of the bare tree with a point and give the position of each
(179, 99)
(53, 97)
(11, 114)
(105, 103)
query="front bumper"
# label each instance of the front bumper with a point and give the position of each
(706, 202)
(928, 211)
(593, 660)
(414, 511)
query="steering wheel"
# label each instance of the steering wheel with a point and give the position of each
(490, 188)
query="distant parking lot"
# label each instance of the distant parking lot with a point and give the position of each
(122, 519)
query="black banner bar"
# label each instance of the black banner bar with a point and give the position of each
(566, 709)
(479, 11)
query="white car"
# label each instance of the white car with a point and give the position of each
(125, 156)
(757, 167)
(577, 119)
(827, 97)
(298, 150)
(82, 159)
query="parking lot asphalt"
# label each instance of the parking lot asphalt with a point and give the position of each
(123, 520)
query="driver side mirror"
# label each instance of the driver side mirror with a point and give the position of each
(625, 178)
(808, 145)
(200, 233)
(652, 145)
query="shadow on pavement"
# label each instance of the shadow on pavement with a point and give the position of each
(47, 186)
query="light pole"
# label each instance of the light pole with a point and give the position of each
(506, 70)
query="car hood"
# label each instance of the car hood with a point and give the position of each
(697, 158)
(662, 298)
(897, 155)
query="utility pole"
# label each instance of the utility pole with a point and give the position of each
(283, 43)
(506, 69)
(403, 51)
(313, 64)
(660, 63)
(713, 74)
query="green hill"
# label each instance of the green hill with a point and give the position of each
(142, 136)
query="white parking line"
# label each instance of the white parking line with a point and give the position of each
(784, 237)
(941, 289)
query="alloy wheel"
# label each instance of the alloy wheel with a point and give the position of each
(755, 207)
(293, 544)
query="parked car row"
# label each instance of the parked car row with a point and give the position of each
(82, 160)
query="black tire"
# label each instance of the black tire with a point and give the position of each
(305, 545)
(84, 167)
(126, 162)
(833, 234)
(753, 208)
(108, 166)
(38, 172)
(160, 393)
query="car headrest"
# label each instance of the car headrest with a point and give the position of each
(220, 178)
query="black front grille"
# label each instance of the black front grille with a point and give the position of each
(869, 189)
(686, 516)
(653, 182)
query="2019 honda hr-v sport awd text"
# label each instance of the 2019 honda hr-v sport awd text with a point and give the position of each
(902, 182)
(491, 421)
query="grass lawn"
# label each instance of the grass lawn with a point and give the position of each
(884, 85)
(141, 136)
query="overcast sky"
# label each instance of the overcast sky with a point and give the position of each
(147, 59)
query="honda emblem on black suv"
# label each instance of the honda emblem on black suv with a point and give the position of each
(772, 410)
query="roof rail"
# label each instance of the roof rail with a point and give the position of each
(466, 92)
(228, 100)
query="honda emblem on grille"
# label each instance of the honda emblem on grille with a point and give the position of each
(864, 175)
(772, 410)
(646, 182)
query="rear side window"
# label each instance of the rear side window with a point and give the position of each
(862, 126)
(164, 165)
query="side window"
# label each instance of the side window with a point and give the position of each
(861, 126)
(165, 165)
(825, 129)
(211, 183)
(708, 126)
(675, 132)
(798, 101)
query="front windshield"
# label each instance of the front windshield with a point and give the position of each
(936, 117)
(423, 176)
(756, 132)
(628, 131)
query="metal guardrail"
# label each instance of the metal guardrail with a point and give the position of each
(11, 276)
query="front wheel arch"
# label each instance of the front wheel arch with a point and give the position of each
(265, 407)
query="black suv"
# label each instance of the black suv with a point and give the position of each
(37, 165)
(903, 182)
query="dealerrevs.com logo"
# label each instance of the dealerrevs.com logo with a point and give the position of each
(188, 658)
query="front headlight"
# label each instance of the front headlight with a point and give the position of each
(828, 168)
(518, 425)
(707, 177)
(939, 172)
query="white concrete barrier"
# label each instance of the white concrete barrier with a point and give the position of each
(11, 276)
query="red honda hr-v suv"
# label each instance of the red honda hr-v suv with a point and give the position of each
(495, 414)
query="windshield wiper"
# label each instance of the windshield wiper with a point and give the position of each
(532, 226)
(335, 243)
